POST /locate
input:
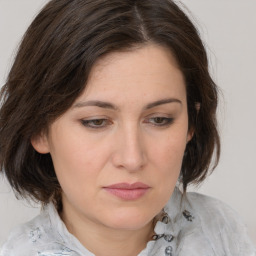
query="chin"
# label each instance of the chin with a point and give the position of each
(128, 219)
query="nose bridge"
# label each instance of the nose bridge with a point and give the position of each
(130, 151)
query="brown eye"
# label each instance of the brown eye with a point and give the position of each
(161, 121)
(96, 123)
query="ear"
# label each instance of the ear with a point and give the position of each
(40, 143)
(191, 130)
(197, 106)
(190, 134)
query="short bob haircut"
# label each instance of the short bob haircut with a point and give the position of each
(51, 70)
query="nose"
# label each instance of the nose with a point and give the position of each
(129, 153)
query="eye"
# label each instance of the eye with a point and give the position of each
(96, 123)
(160, 121)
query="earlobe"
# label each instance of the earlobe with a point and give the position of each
(197, 106)
(190, 135)
(40, 143)
(191, 131)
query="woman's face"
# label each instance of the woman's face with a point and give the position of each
(130, 126)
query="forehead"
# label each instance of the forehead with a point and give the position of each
(150, 70)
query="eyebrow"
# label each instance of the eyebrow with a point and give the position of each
(107, 105)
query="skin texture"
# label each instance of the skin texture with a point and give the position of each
(131, 143)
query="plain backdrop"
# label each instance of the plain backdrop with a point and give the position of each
(228, 28)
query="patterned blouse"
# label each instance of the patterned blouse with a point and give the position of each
(192, 225)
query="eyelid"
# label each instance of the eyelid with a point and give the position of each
(168, 120)
(162, 115)
(88, 123)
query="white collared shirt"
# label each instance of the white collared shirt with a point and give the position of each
(196, 225)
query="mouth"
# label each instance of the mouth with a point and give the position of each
(128, 191)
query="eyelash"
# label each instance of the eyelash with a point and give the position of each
(91, 123)
(166, 121)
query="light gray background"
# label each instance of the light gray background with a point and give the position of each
(228, 28)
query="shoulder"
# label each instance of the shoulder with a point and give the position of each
(28, 239)
(207, 206)
(221, 224)
(44, 235)
(18, 243)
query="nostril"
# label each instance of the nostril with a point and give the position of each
(129, 158)
(129, 150)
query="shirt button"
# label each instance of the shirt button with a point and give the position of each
(168, 238)
(188, 215)
(166, 219)
(168, 251)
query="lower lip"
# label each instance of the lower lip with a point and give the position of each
(128, 194)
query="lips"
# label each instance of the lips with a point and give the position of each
(136, 185)
(128, 191)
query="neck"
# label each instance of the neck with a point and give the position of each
(104, 241)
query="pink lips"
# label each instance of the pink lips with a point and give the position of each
(128, 191)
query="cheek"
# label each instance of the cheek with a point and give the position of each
(167, 159)
(170, 152)
(77, 161)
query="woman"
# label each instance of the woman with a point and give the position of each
(108, 108)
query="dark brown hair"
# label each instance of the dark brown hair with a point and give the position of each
(52, 67)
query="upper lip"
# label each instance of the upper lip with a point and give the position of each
(136, 185)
